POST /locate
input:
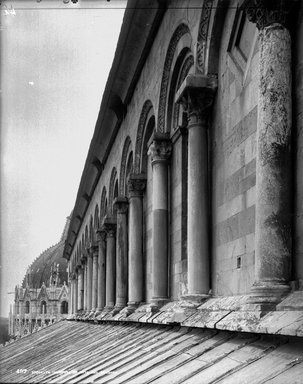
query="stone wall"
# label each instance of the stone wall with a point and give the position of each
(233, 143)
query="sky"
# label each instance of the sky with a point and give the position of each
(55, 60)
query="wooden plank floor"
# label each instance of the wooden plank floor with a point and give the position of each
(78, 352)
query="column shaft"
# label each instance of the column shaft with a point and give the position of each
(110, 268)
(198, 203)
(273, 236)
(121, 253)
(80, 289)
(160, 151)
(101, 269)
(89, 279)
(135, 277)
(95, 279)
(85, 286)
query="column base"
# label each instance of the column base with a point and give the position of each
(117, 309)
(156, 303)
(132, 306)
(195, 298)
(266, 295)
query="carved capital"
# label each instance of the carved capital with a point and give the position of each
(121, 204)
(196, 94)
(266, 12)
(136, 185)
(160, 149)
(101, 234)
(109, 226)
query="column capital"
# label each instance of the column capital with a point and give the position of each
(196, 94)
(109, 225)
(121, 204)
(101, 234)
(161, 147)
(136, 185)
(267, 12)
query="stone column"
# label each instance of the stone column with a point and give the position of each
(196, 94)
(84, 261)
(71, 294)
(121, 204)
(136, 187)
(160, 151)
(109, 225)
(101, 236)
(89, 279)
(95, 250)
(80, 288)
(75, 293)
(273, 237)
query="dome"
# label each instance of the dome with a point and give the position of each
(40, 270)
(50, 262)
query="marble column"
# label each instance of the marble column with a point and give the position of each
(80, 288)
(84, 261)
(101, 236)
(160, 151)
(71, 294)
(95, 251)
(89, 278)
(136, 187)
(109, 225)
(75, 292)
(121, 204)
(273, 236)
(196, 94)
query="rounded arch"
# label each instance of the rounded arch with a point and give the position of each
(125, 156)
(112, 185)
(103, 206)
(148, 131)
(128, 171)
(27, 306)
(183, 65)
(147, 110)
(181, 38)
(86, 237)
(91, 230)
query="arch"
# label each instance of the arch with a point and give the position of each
(103, 204)
(91, 227)
(86, 237)
(180, 31)
(146, 111)
(112, 184)
(64, 307)
(43, 307)
(125, 153)
(184, 63)
(149, 129)
(209, 38)
(27, 307)
(128, 171)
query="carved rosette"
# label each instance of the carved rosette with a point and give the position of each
(136, 185)
(264, 12)
(160, 150)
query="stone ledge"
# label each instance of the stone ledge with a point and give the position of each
(223, 313)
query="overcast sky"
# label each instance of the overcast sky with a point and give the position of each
(54, 66)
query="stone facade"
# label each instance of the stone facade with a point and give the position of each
(192, 189)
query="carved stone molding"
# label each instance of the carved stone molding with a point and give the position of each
(196, 94)
(101, 234)
(202, 35)
(160, 149)
(136, 185)
(266, 12)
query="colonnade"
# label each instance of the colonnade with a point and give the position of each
(110, 275)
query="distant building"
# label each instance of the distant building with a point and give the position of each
(43, 297)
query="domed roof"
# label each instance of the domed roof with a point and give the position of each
(51, 259)
(40, 270)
